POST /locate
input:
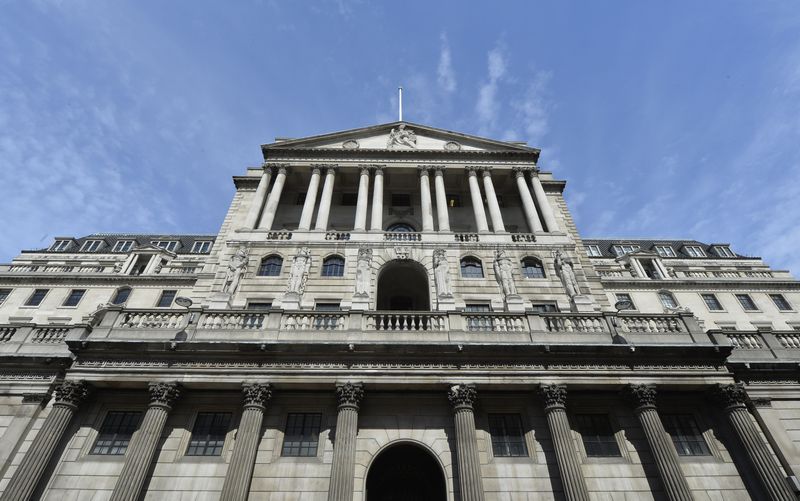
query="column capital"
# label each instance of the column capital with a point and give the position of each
(280, 167)
(472, 170)
(71, 393)
(486, 171)
(256, 394)
(520, 171)
(462, 396)
(425, 169)
(554, 395)
(730, 395)
(364, 169)
(349, 394)
(316, 168)
(641, 396)
(163, 394)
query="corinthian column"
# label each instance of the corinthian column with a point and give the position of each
(425, 199)
(258, 199)
(441, 199)
(477, 201)
(462, 397)
(363, 199)
(349, 396)
(243, 459)
(68, 395)
(376, 221)
(544, 204)
(643, 399)
(569, 467)
(325, 201)
(310, 201)
(268, 216)
(733, 398)
(491, 199)
(527, 201)
(143, 444)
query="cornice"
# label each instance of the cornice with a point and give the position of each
(680, 284)
(108, 279)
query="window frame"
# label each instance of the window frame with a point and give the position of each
(262, 265)
(619, 249)
(724, 251)
(69, 296)
(60, 245)
(167, 245)
(113, 299)
(220, 445)
(123, 246)
(503, 440)
(201, 247)
(312, 434)
(695, 251)
(662, 294)
(593, 250)
(99, 434)
(92, 245)
(161, 298)
(474, 259)
(700, 437)
(27, 303)
(327, 266)
(740, 296)
(525, 268)
(772, 296)
(5, 293)
(629, 298)
(612, 426)
(716, 299)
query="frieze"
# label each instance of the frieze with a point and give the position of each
(19, 375)
(35, 398)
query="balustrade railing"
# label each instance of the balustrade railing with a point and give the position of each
(574, 323)
(402, 236)
(789, 340)
(406, 321)
(313, 320)
(229, 321)
(6, 333)
(279, 235)
(337, 235)
(651, 324)
(467, 237)
(49, 335)
(151, 319)
(523, 237)
(745, 340)
(487, 322)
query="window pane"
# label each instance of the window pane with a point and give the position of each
(471, 268)
(208, 434)
(37, 297)
(165, 301)
(532, 268)
(597, 435)
(667, 300)
(4, 293)
(626, 297)
(302, 435)
(712, 302)
(333, 267)
(270, 266)
(685, 434)
(746, 301)
(780, 302)
(508, 439)
(115, 433)
(74, 297)
(121, 296)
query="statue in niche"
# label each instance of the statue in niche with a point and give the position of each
(441, 273)
(237, 267)
(401, 137)
(363, 272)
(566, 271)
(504, 273)
(299, 273)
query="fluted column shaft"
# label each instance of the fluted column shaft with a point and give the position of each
(643, 398)
(143, 445)
(325, 201)
(258, 200)
(544, 204)
(425, 199)
(441, 200)
(29, 473)
(363, 200)
(531, 216)
(311, 200)
(268, 216)
(248, 436)
(470, 483)
(20, 424)
(733, 398)
(477, 201)
(491, 200)
(349, 396)
(376, 221)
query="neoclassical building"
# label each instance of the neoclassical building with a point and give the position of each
(397, 312)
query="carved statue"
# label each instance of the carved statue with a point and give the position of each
(402, 137)
(565, 270)
(237, 267)
(363, 272)
(441, 273)
(504, 273)
(118, 266)
(299, 273)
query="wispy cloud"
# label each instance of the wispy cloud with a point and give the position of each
(533, 107)
(445, 72)
(488, 105)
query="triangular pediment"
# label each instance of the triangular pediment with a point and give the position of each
(401, 136)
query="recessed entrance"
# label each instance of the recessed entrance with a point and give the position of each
(405, 472)
(403, 286)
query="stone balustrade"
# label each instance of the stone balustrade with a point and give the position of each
(752, 347)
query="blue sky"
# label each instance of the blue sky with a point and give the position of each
(667, 119)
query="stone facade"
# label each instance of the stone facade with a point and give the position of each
(397, 310)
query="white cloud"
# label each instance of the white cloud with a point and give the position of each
(445, 72)
(532, 108)
(488, 106)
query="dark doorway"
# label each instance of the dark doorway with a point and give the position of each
(403, 286)
(405, 472)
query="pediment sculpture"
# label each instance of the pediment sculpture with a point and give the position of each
(401, 137)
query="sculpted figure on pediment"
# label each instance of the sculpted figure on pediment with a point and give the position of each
(237, 267)
(401, 137)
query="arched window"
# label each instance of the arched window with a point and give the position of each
(667, 299)
(532, 268)
(333, 266)
(270, 266)
(401, 228)
(471, 267)
(122, 295)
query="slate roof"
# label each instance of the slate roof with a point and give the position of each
(649, 245)
(110, 239)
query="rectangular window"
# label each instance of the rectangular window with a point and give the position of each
(508, 439)
(453, 200)
(170, 245)
(747, 302)
(712, 303)
(667, 299)
(621, 250)
(593, 251)
(327, 307)
(723, 251)
(694, 250)
(115, 433)
(597, 435)
(74, 297)
(625, 297)
(350, 199)
(259, 305)
(122, 246)
(475, 322)
(166, 299)
(545, 308)
(208, 434)
(60, 245)
(201, 247)
(91, 245)
(665, 251)
(727, 327)
(4, 293)
(401, 200)
(780, 302)
(685, 434)
(37, 297)
(301, 437)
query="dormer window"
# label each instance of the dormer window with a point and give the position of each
(621, 250)
(122, 246)
(665, 251)
(91, 245)
(723, 251)
(169, 245)
(593, 251)
(60, 245)
(694, 250)
(201, 247)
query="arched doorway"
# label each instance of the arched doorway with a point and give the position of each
(403, 286)
(405, 472)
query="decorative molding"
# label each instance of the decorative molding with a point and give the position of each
(256, 394)
(351, 144)
(164, 394)
(452, 146)
(554, 395)
(71, 393)
(349, 394)
(730, 395)
(462, 396)
(35, 398)
(761, 402)
(641, 395)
